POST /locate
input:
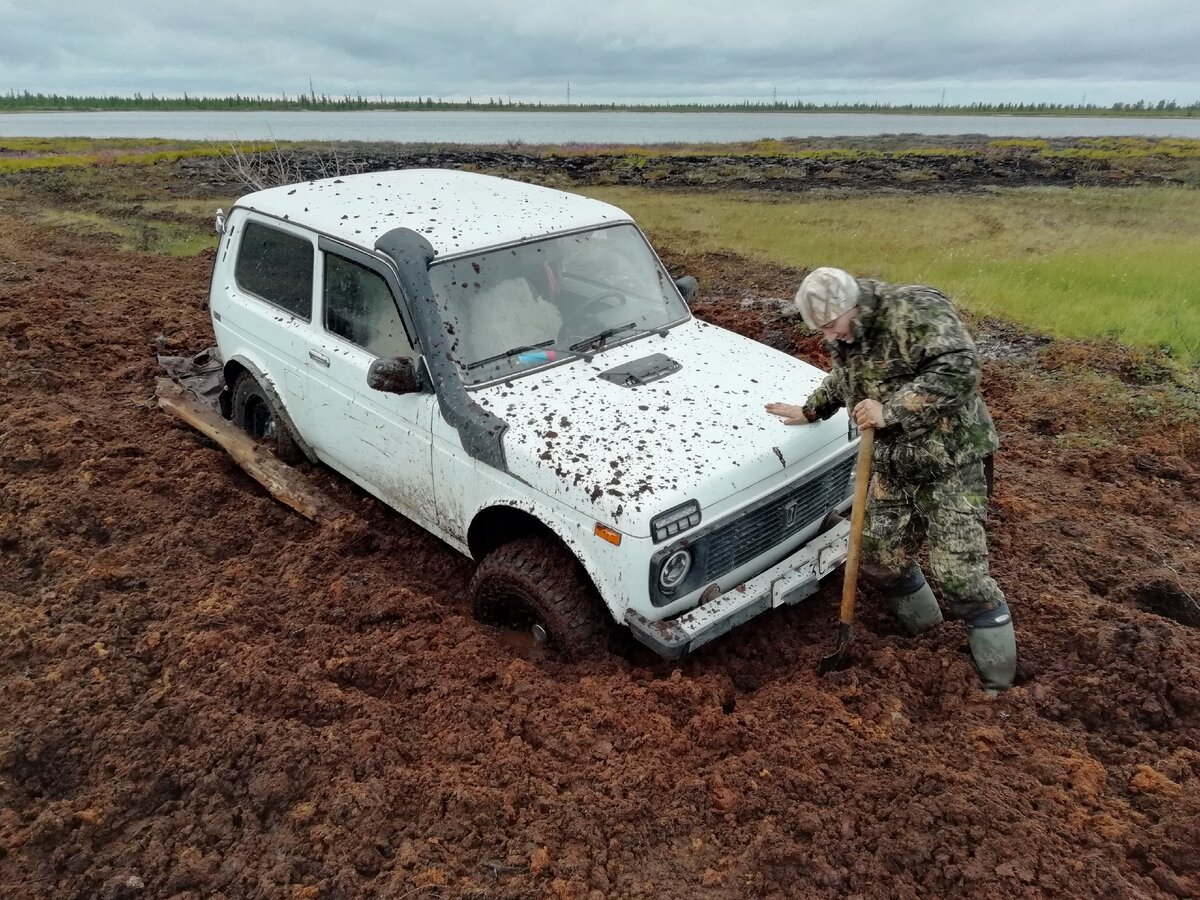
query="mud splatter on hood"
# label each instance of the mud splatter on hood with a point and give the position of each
(629, 453)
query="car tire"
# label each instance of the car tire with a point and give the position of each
(252, 409)
(538, 582)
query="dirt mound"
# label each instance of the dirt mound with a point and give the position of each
(913, 163)
(205, 694)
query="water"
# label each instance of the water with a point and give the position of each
(562, 127)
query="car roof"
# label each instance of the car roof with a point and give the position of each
(457, 212)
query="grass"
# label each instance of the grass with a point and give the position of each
(1076, 263)
(147, 235)
(52, 145)
(110, 191)
(24, 154)
(1119, 149)
(202, 209)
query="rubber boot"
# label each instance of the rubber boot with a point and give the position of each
(917, 611)
(994, 647)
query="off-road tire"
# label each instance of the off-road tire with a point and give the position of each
(538, 581)
(252, 410)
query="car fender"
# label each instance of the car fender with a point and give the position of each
(600, 559)
(278, 409)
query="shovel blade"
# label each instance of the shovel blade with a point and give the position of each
(840, 657)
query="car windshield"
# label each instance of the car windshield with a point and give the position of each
(516, 308)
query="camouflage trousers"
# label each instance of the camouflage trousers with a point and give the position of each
(948, 514)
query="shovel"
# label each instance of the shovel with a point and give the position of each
(862, 477)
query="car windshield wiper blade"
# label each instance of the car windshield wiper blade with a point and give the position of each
(600, 339)
(513, 352)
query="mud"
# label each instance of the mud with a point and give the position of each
(206, 695)
(901, 163)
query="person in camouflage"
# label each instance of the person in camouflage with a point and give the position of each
(904, 364)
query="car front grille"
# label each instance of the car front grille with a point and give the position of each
(776, 520)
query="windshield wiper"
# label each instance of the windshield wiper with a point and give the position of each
(515, 351)
(600, 339)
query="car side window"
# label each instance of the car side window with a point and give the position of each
(276, 266)
(360, 308)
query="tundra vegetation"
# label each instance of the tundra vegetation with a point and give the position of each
(1072, 262)
(1076, 262)
(203, 694)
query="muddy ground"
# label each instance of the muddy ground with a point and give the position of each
(206, 695)
(907, 163)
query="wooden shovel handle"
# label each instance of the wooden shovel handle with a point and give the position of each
(862, 478)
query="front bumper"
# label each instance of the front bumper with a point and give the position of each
(789, 581)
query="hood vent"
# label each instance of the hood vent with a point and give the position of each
(642, 371)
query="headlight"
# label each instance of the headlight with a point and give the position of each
(674, 570)
(674, 521)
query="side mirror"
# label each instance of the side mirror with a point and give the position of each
(687, 286)
(397, 375)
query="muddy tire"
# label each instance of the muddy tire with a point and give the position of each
(536, 581)
(254, 412)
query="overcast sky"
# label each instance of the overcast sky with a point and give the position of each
(611, 50)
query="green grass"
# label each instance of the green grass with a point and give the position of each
(23, 154)
(150, 236)
(59, 161)
(203, 209)
(45, 145)
(1112, 149)
(1078, 263)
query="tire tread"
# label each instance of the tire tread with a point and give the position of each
(547, 577)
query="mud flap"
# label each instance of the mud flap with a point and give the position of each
(201, 375)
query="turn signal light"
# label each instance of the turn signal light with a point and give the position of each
(608, 534)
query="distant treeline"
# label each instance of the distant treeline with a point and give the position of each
(29, 102)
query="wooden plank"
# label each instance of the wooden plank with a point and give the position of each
(284, 483)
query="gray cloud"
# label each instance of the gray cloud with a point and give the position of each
(619, 50)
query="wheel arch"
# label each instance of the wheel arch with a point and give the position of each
(501, 523)
(237, 366)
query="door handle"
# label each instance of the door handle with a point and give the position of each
(318, 357)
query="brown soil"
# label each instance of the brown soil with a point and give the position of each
(206, 695)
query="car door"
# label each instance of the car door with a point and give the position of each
(380, 440)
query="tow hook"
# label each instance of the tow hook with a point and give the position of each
(832, 519)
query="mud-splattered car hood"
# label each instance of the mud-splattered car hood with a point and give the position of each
(630, 453)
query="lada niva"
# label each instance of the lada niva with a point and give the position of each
(512, 368)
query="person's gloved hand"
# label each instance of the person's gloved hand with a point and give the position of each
(868, 414)
(791, 415)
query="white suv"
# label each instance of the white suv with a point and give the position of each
(512, 368)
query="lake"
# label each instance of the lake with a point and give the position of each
(562, 127)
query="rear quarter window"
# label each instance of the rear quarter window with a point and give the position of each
(277, 267)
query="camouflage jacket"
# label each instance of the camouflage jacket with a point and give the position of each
(912, 353)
